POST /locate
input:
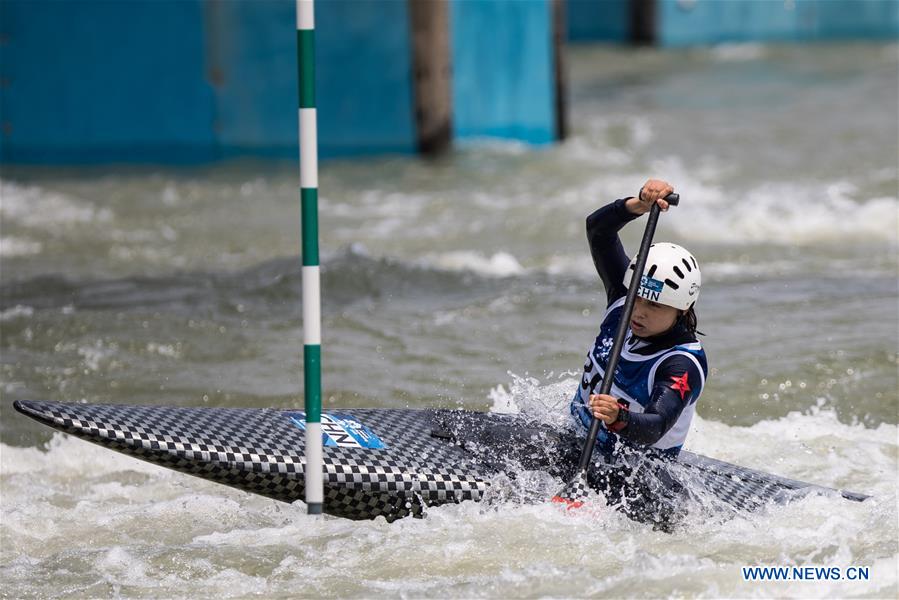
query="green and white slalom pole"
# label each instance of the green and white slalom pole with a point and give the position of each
(312, 380)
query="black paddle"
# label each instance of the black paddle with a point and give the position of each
(576, 489)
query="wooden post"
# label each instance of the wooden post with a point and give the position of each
(431, 72)
(560, 33)
(643, 22)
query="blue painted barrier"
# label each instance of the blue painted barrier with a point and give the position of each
(363, 82)
(175, 81)
(598, 20)
(504, 78)
(694, 22)
(704, 22)
(93, 81)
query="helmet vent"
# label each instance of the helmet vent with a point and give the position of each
(671, 283)
(677, 270)
(694, 262)
(686, 264)
(652, 270)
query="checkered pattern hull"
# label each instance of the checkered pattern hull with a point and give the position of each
(261, 451)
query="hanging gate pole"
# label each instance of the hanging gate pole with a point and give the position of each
(312, 382)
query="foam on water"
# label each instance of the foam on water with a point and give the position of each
(18, 246)
(18, 311)
(38, 208)
(810, 216)
(791, 213)
(738, 52)
(803, 213)
(500, 264)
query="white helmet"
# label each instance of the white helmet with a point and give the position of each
(671, 278)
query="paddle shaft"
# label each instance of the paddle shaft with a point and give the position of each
(626, 312)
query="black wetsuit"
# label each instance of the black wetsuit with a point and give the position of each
(658, 380)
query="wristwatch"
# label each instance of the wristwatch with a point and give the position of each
(624, 416)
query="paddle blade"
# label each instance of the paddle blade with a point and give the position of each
(575, 491)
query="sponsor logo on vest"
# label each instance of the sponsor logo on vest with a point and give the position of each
(603, 354)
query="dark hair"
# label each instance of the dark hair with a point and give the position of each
(688, 318)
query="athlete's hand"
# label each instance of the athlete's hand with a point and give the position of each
(653, 191)
(604, 407)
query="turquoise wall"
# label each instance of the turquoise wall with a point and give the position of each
(595, 20)
(364, 91)
(702, 22)
(175, 81)
(364, 75)
(103, 81)
(503, 73)
(692, 22)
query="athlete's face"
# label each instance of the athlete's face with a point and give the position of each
(650, 318)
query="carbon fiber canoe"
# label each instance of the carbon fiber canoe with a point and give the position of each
(378, 462)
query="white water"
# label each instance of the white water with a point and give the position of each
(768, 219)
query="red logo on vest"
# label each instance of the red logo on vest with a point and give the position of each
(681, 385)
